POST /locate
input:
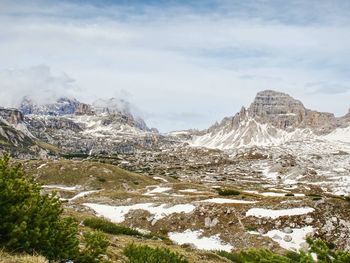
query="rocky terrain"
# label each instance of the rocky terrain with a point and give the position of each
(269, 176)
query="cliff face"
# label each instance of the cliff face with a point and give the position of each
(284, 112)
(15, 138)
(278, 109)
(12, 116)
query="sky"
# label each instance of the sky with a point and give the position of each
(181, 64)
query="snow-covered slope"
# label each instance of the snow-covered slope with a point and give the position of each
(339, 134)
(249, 133)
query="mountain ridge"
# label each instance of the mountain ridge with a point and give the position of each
(107, 126)
(272, 118)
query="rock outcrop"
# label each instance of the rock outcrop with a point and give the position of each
(12, 116)
(278, 109)
(15, 137)
(272, 118)
(84, 109)
(284, 112)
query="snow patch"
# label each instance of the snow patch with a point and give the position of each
(339, 134)
(271, 213)
(298, 237)
(62, 187)
(157, 190)
(117, 213)
(160, 179)
(82, 194)
(197, 240)
(41, 166)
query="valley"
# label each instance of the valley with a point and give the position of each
(268, 177)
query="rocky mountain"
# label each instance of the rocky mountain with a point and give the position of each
(287, 113)
(105, 126)
(273, 118)
(15, 137)
(62, 106)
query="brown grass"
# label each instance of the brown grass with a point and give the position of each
(7, 258)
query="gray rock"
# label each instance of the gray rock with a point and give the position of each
(276, 237)
(287, 238)
(208, 223)
(304, 246)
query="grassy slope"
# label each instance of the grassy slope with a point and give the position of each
(7, 258)
(86, 173)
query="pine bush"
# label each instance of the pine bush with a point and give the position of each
(96, 244)
(146, 254)
(319, 251)
(109, 227)
(31, 222)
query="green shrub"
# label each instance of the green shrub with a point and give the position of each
(109, 227)
(31, 222)
(96, 245)
(226, 192)
(315, 197)
(255, 255)
(324, 254)
(101, 179)
(250, 228)
(146, 254)
(231, 256)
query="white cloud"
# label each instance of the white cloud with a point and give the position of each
(37, 82)
(177, 59)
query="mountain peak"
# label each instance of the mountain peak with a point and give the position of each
(277, 108)
(61, 106)
(270, 102)
(273, 117)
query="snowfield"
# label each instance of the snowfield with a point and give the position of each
(117, 213)
(340, 134)
(249, 133)
(271, 213)
(196, 239)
